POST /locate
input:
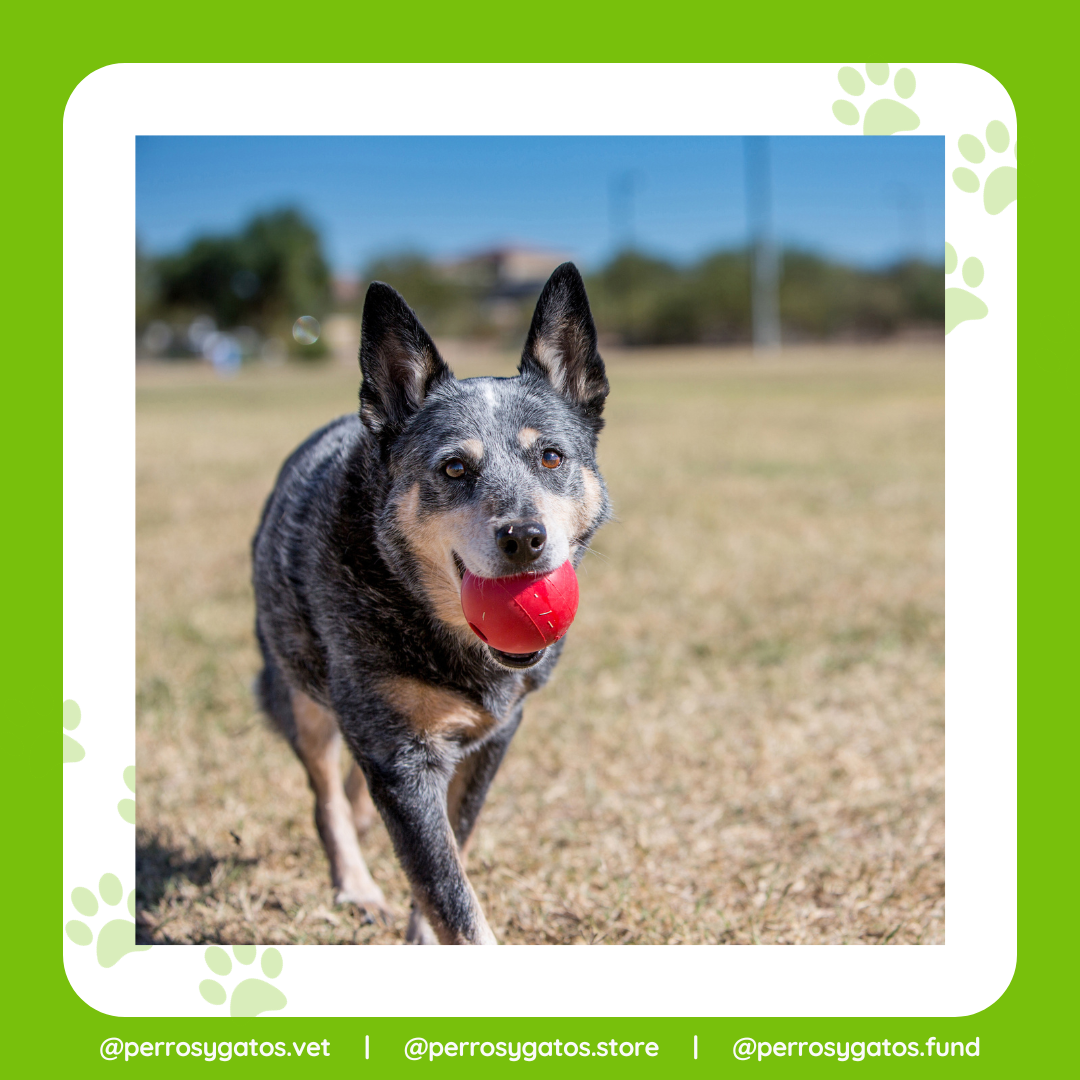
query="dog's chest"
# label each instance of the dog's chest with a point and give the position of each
(437, 712)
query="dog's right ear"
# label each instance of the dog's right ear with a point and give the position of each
(398, 359)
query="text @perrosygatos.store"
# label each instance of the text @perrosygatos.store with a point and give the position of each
(420, 1049)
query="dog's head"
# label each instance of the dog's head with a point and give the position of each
(497, 476)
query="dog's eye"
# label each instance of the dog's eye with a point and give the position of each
(454, 468)
(551, 459)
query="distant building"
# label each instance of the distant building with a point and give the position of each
(507, 272)
(345, 289)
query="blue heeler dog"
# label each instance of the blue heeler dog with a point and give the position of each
(358, 563)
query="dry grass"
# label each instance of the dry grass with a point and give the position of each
(743, 743)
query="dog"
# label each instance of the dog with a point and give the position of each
(357, 566)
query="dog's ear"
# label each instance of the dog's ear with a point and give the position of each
(561, 346)
(398, 359)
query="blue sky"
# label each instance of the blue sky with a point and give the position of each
(863, 200)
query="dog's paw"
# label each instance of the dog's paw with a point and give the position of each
(373, 904)
(419, 932)
(363, 819)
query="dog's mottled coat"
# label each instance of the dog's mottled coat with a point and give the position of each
(357, 572)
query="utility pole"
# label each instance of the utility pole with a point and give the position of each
(621, 191)
(909, 220)
(764, 254)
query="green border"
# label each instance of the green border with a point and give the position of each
(51, 49)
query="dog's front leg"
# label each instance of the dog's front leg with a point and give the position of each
(464, 799)
(412, 800)
(469, 786)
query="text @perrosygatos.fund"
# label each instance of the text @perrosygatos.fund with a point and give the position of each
(747, 1049)
(420, 1049)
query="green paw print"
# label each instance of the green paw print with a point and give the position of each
(886, 116)
(117, 937)
(961, 305)
(252, 996)
(999, 190)
(73, 750)
(127, 806)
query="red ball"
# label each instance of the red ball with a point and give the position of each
(521, 614)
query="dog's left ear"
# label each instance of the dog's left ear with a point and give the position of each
(561, 346)
(399, 361)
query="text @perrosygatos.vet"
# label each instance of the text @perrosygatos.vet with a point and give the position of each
(114, 1049)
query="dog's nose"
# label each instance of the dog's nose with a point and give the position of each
(522, 542)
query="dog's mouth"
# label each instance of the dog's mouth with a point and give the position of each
(517, 661)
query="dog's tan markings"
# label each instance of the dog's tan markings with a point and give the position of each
(430, 710)
(431, 539)
(550, 359)
(459, 783)
(572, 515)
(474, 448)
(408, 509)
(318, 744)
(560, 340)
(527, 436)
(593, 501)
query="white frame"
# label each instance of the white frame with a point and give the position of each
(115, 104)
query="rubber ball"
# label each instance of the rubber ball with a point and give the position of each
(521, 614)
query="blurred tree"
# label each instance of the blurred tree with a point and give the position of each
(265, 277)
(637, 298)
(147, 288)
(720, 285)
(922, 288)
(641, 300)
(273, 271)
(822, 299)
(445, 303)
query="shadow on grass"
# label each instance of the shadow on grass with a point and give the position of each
(162, 868)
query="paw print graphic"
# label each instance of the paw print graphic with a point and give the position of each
(126, 807)
(999, 188)
(73, 750)
(117, 937)
(250, 997)
(886, 115)
(961, 305)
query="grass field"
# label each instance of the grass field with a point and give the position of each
(744, 741)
